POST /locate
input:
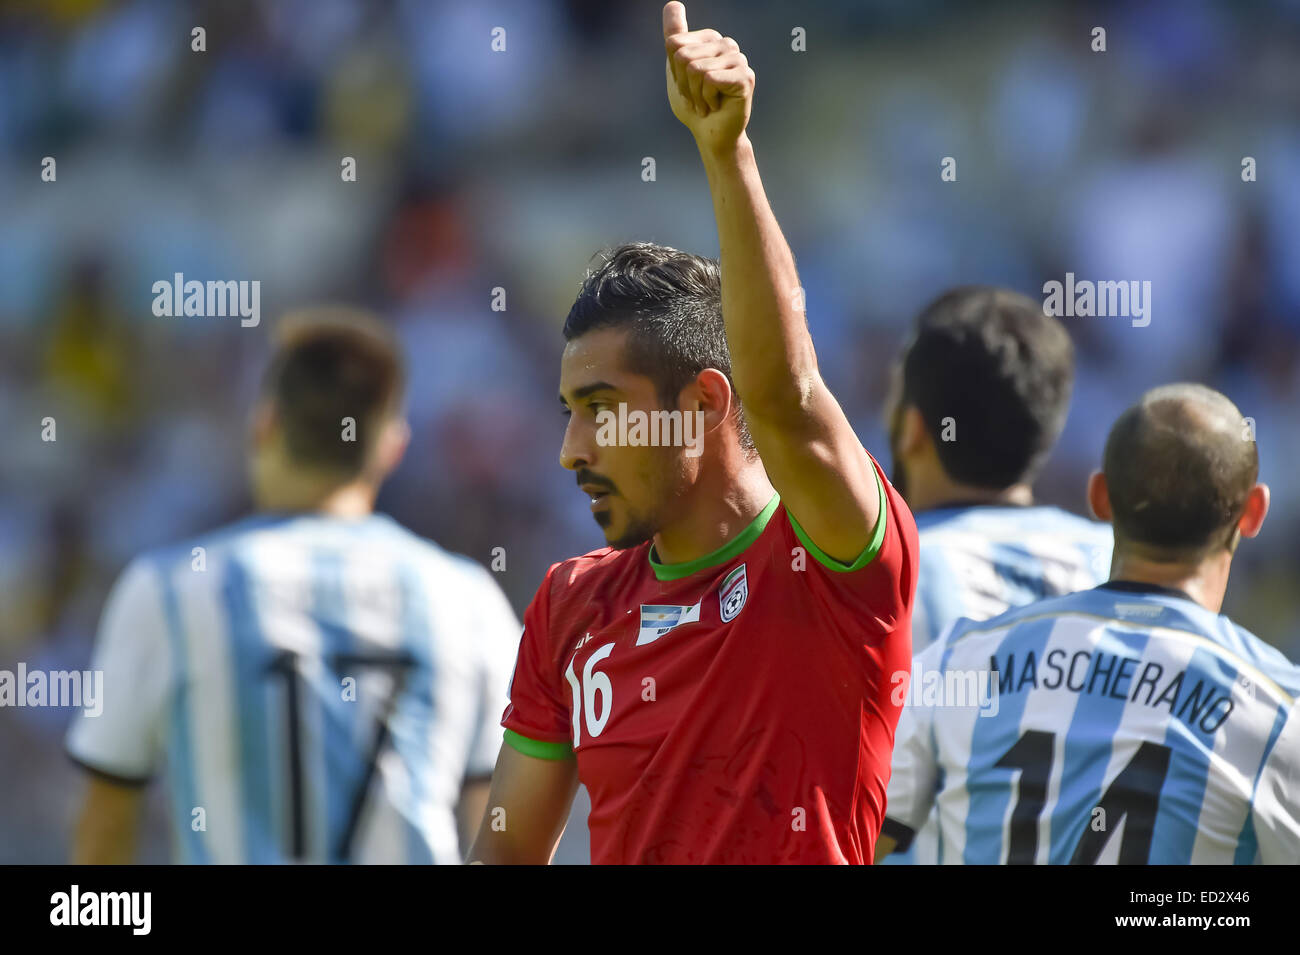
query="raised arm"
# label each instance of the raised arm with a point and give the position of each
(808, 447)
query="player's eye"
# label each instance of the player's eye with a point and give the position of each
(564, 410)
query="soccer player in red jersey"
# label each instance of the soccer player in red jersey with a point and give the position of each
(719, 676)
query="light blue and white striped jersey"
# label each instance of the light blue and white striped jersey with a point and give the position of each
(1121, 724)
(320, 688)
(977, 561)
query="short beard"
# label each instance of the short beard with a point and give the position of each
(641, 527)
(637, 533)
(665, 489)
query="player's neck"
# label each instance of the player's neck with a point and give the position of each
(715, 515)
(926, 491)
(1205, 581)
(352, 500)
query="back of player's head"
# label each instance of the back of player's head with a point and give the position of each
(332, 364)
(1179, 466)
(670, 303)
(1002, 370)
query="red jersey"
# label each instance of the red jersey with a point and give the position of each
(737, 708)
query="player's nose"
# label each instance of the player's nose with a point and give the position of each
(576, 449)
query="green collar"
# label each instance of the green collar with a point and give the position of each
(723, 554)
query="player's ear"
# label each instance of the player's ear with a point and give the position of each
(913, 435)
(264, 424)
(391, 448)
(711, 393)
(1252, 517)
(1099, 497)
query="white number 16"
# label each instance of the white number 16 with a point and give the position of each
(592, 683)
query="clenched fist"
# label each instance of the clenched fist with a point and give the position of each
(710, 84)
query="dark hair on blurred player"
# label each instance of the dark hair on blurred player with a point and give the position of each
(331, 365)
(324, 682)
(993, 362)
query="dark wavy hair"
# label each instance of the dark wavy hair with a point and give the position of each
(331, 363)
(670, 303)
(1003, 369)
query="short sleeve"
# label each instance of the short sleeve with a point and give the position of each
(915, 764)
(537, 716)
(121, 737)
(498, 642)
(1276, 805)
(881, 583)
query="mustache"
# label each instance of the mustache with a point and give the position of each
(591, 477)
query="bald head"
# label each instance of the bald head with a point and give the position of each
(1179, 467)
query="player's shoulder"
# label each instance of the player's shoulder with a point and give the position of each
(191, 553)
(1260, 654)
(149, 583)
(448, 570)
(1160, 613)
(894, 537)
(998, 522)
(1114, 604)
(1177, 613)
(224, 541)
(260, 542)
(398, 537)
(953, 538)
(572, 590)
(1238, 647)
(138, 588)
(1082, 530)
(1013, 617)
(596, 568)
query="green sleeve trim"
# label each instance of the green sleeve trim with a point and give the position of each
(538, 748)
(867, 556)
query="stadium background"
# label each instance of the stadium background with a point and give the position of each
(479, 170)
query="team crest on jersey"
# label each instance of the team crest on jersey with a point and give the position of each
(658, 619)
(733, 594)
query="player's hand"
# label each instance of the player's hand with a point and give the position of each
(710, 84)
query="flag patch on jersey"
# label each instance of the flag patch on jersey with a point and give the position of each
(658, 619)
(733, 593)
